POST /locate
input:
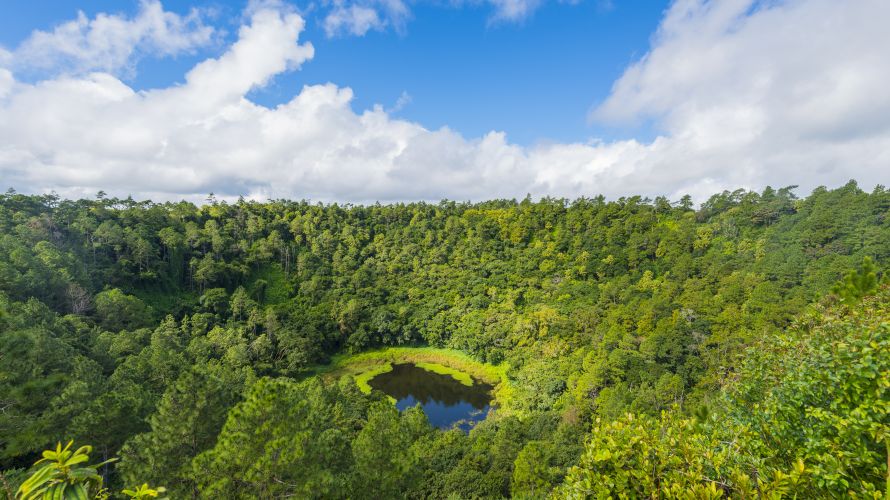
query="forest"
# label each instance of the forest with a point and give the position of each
(739, 348)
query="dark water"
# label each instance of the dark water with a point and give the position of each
(445, 401)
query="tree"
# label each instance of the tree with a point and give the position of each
(857, 284)
(384, 463)
(807, 417)
(284, 439)
(533, 473)
(819, 393)
(215, 300)
(187, 422)
(118, 311)
(81, 301)
(671, 457)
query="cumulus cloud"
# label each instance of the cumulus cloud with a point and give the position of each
(110, 42)
(756, 92)
(6, 81)
(745, 94)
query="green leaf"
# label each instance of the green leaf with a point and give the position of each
(38, 479)
(57, 492)
(76, 492)
(77, 459)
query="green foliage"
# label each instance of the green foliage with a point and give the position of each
(285, 438)
(214, 300)
(117, 310)
(534, 473)
(807, 417)
(857, 283)
(367, 365)
(673, 457)
(820, 393)
(43, 380)
(63, 475)
(143, 492)
(66, 475)
(363, 379)
(187, 421)
(140, 328)
(384, 467)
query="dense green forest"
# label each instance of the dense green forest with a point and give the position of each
(653, 349)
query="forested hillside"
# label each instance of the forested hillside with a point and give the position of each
(651, 347)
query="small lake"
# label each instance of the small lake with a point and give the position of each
(445, 401)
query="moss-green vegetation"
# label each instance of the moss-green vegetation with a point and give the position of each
(363, 378)
(445, 358)
(462, 367)
(463, 378)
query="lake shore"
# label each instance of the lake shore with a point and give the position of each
(462, 367)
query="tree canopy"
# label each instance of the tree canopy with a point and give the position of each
(639, 335)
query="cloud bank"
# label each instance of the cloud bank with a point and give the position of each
(744, 93)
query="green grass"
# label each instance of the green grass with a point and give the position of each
(459, 365)
(362, 379)
(463, 378)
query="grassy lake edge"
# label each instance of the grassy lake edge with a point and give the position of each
(459, 365)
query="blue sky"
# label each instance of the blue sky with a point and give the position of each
(535, 78)
(399, 100)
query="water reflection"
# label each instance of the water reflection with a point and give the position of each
(445, 401)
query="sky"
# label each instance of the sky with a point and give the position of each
(393, 100)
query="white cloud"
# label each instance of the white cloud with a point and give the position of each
(746, 95)
(513, 10)
(357, 18)
(110, 43)
(264, 49)
(403, 101)
(6, 82)
(354, 20)
(766, 92)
